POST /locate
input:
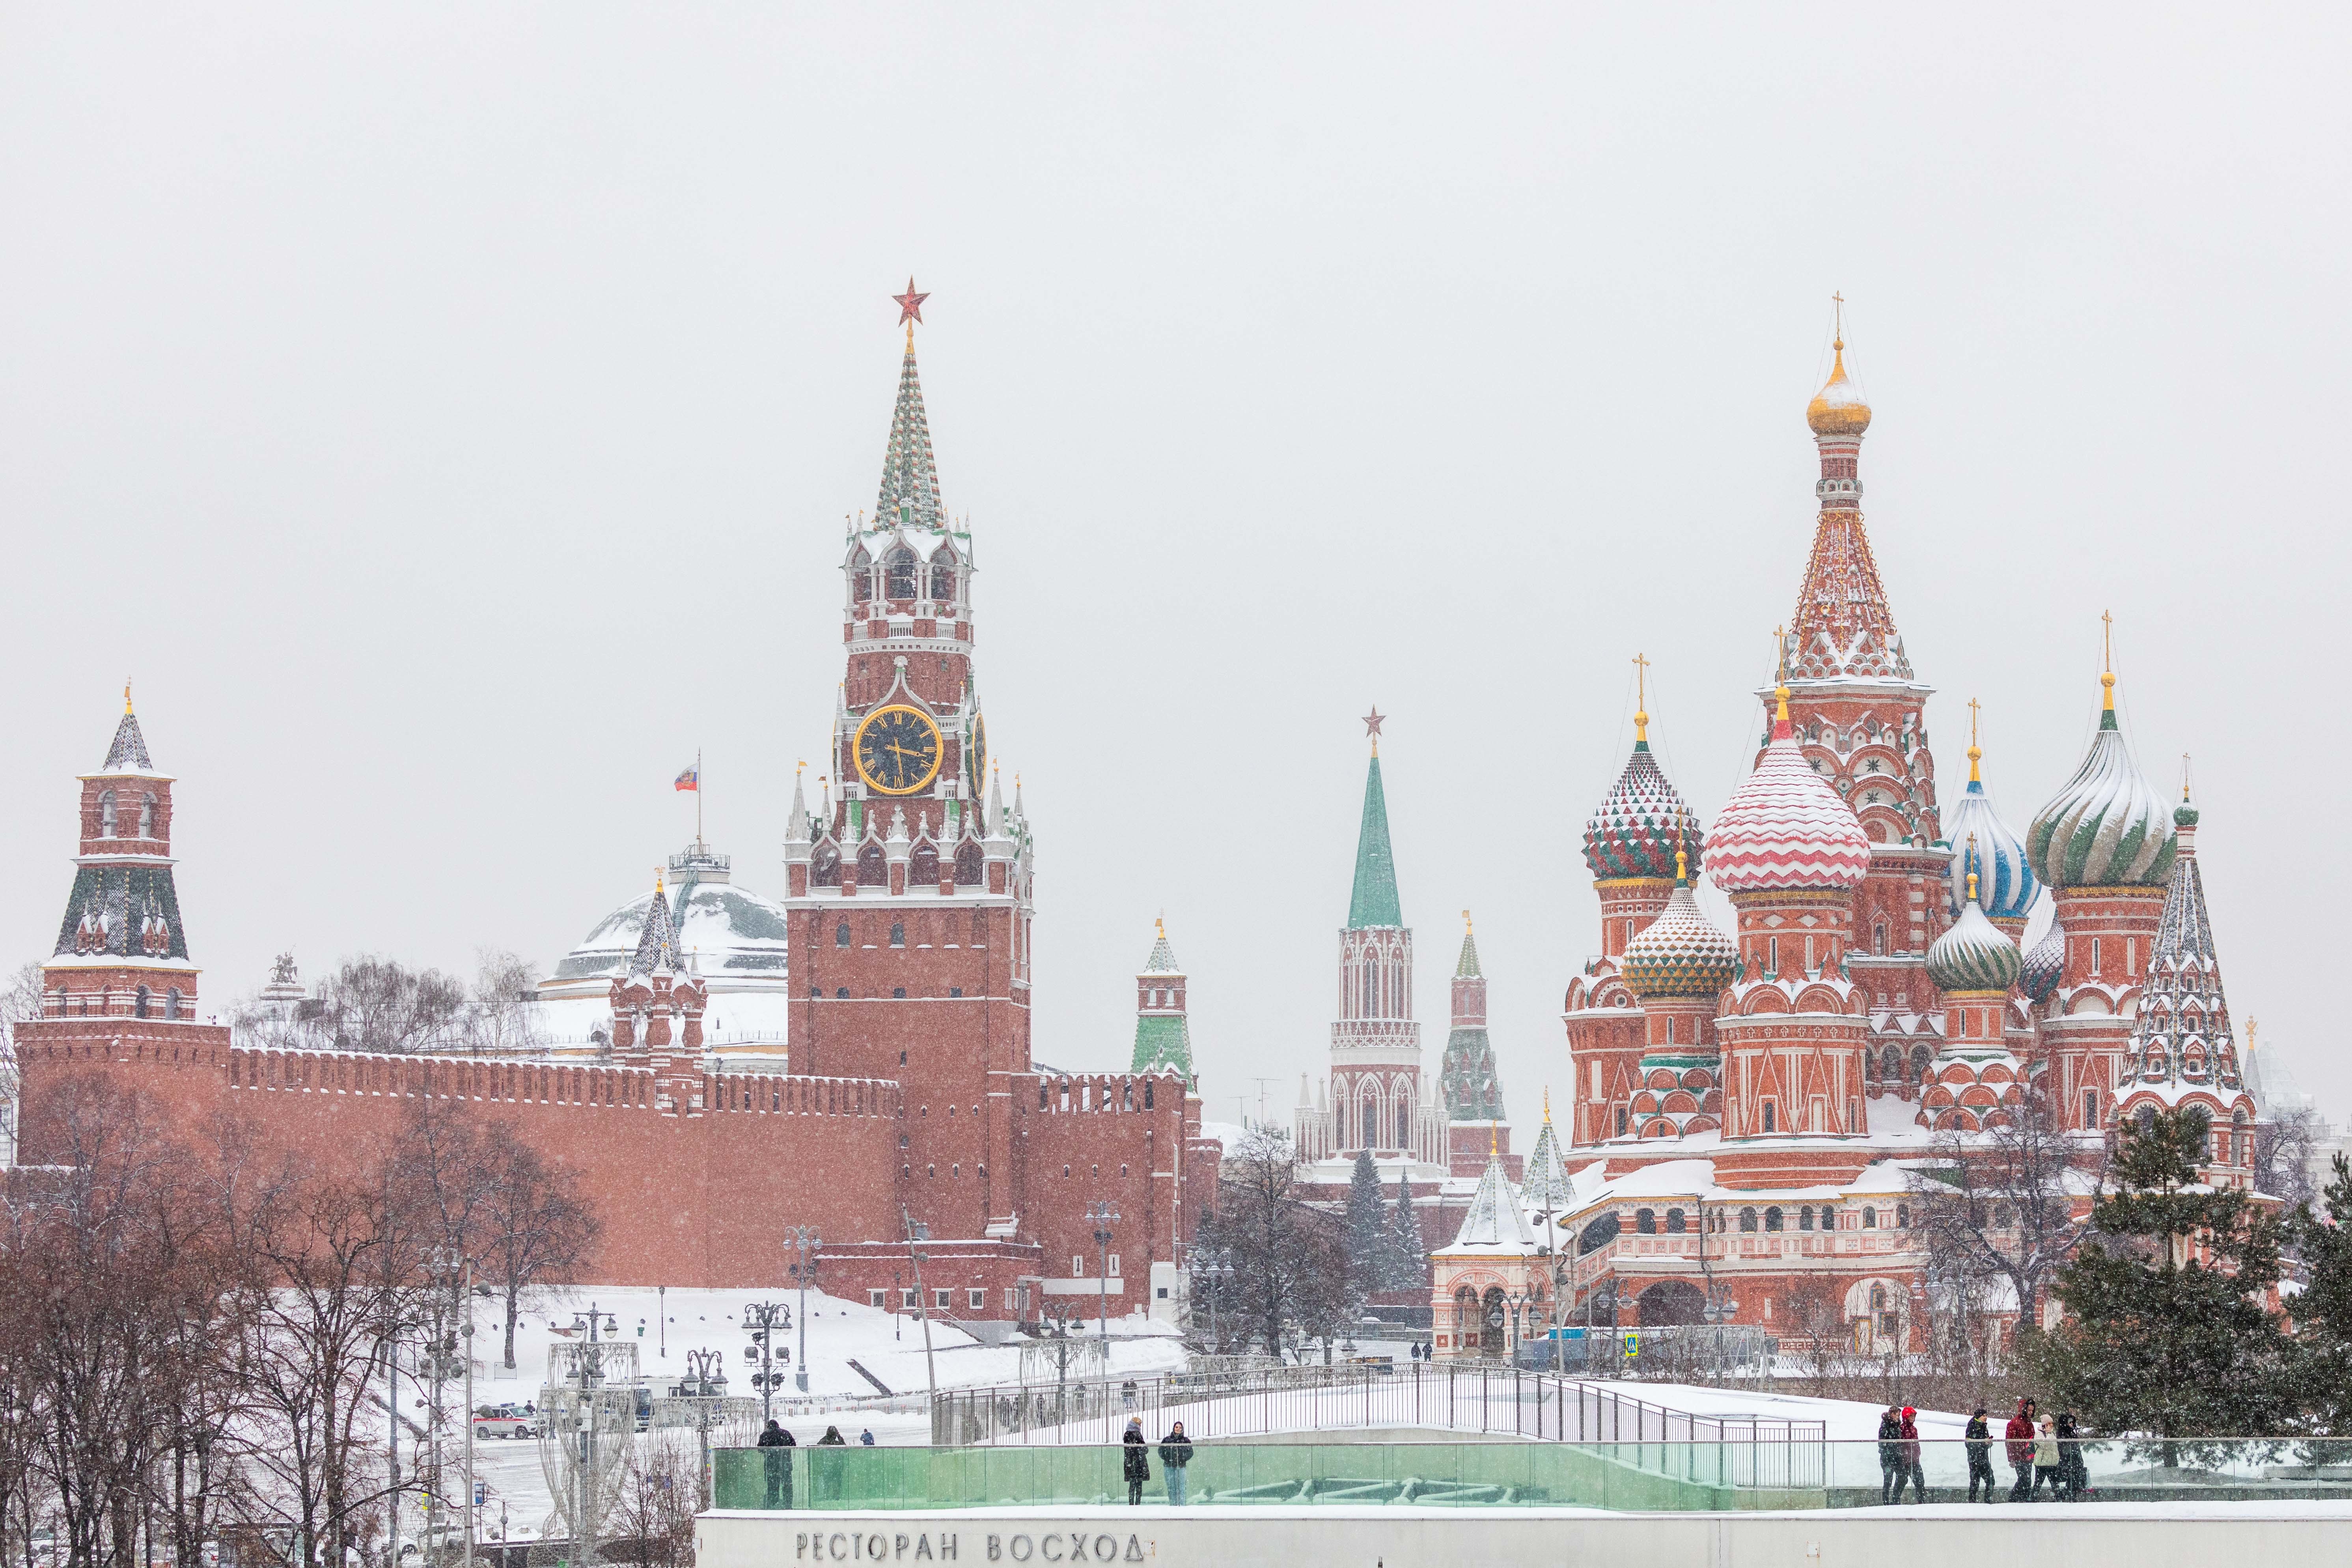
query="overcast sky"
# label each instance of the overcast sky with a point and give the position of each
(448, 415)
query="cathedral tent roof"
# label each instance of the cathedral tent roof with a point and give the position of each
(1493, 1223)
(129, 752)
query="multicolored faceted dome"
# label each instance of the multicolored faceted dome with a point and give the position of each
(2006, 886)
(1641, 823)
(2107, 827)
(1680, 954)
(1837, 409)
(2040, 974)
(1973, 955)
(1785, 829)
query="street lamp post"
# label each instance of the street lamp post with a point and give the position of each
(761, 1320)
(1104, 1216)
(918, 1231)
(802, 1242)
(705, 1374)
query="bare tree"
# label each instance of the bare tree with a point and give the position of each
(537, 1227)
(651, 1524)
(504, 1018)
(2284, 1147)
(1289, 1266)
(378, 1005)
(2010, 1201)
(21, 1000)
(1817, 1335)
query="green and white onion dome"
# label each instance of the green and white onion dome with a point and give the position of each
(2107, 827)
(1973, 955)
(1681, 953)
(2039, 975)
(1641, 823)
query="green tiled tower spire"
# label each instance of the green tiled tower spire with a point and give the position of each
(1163, 1036)
(1375, 899)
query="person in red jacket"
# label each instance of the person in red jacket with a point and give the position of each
(1911, 1463)
(2019, 1434)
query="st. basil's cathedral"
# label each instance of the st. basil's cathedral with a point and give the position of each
(1749, 1107)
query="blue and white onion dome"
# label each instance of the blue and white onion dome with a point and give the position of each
(2006, 886)
(2107, 827)
(1973, 955)
(1681, 953)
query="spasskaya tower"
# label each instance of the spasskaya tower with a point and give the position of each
(909, 884)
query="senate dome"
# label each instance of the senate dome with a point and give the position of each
(2107, 827)
(1837, 409)
(1785, 829)
(1680, 954)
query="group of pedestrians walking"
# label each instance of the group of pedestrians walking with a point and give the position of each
(2043, 1450)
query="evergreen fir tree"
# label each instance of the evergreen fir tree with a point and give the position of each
(2323, 1312)
(1407, 1259)
(2168, 1330)
(1367, 1227)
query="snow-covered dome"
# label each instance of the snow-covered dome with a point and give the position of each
(724, 931)
(1680, 954)
(2040, 974)
(1973, 955)
(2107, 827)
(1641, 823)
(2006, 886)
(1837, 409)
(1785, 829)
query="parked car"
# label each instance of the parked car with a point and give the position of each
(502, 1425)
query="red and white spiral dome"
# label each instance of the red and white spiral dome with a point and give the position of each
(1785, 829)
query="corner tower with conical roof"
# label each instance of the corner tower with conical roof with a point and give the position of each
(1164, 1035)
(1376, 1097)
(1859, 715)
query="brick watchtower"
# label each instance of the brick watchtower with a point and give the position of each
(1475, 1118)
(908, 895)
(1859, 715)
(121, 952)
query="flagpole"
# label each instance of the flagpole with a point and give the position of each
(697, 799)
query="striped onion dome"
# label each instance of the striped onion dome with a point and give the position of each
(2107, 827)
(1973, 955)
(1680, 954)
(1641, 823)
(2040, 974)
(2006, 886)
(1785, 829)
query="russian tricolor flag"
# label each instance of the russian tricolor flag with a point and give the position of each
(689, 779)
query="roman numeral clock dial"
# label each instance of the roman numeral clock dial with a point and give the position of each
(896, 750)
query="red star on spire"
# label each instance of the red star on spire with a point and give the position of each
(911, 304)
(1373, 720)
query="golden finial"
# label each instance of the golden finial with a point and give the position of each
(1682, 866)
(1780, 688)
(799, 767)
(1971, 862)
(1975, 751)
(1837, 304)
(1160, 927)
(126, 694)
(2107, 656)
(658, 882)
(1640, 699)
(1465, 923)
(1972, 886)
(1494, 1139)
(2184, 776)
(2251, 1025)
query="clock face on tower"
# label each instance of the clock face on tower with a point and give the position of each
(896, 750)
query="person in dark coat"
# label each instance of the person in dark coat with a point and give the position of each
(1979, 1433)
(1890, 1455)
(1135, 1460)
(1175, 1453)
(1912, 1468)
(777, 1465)
(832, 1439)
(2073, 1475)
(2020, 1436)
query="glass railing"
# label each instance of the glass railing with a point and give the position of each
(1624, 1476)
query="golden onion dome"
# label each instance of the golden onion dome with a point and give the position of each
(1837, 409)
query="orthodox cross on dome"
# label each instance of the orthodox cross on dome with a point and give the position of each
(1975, 750)
(1837, 305)
(1641, 700)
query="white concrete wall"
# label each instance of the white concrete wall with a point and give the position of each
(2048, 1535)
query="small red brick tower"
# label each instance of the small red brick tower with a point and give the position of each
(2104, 846)
(121, 952)
(1859, 715)
(909, 894)
(657, 1007)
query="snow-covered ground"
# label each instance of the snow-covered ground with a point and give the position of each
(666, 1326)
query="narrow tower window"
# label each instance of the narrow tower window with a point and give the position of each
(147, 817)
(841, 934)
(106, 813)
